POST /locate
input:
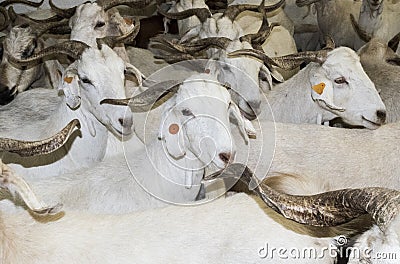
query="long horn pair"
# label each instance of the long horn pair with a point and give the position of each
(33, 148)
(145, 100)
(288, 62)
(234, 10)
(201, 13)
(325, 209)
(71, 48)
(126, 38)
(360, 32)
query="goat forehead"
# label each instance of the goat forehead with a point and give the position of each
(19, 39)
(89, 12)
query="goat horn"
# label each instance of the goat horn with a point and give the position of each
(194, 46)
(32, 148)
(24, 2)
(40, 29)
(4, 13)
(325, 209)
(301, 3)
(126, 38)
(255, 54)
(234, 10)
(51, 19)
(145, 100)
(394, 42)
(71, 48)
(360, 32)
(8, 177)
(201, 13)
(131, 3)
(65, 13)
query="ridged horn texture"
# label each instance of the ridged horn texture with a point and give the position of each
(32, 148)
(127, 38)
(8, 177)
(301, 3)
(234, 10)
(52, 27)
(51, 19)
(71, 48)
(255, 54)
(145, 100)
(325, 209)
(24, 2)
(136, 4)
(394, 42)
(7, 21)
(360, 32)
(201, 13)
(193, 47)
(65, 13)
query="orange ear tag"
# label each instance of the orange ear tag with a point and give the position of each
(68, 79)
(173, 129)
(128, 21)
(319, 88)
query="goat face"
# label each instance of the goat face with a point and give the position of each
(196, 120)
(99, 74)
(347, 91)
(21, 43)
(374, 5)
(90, 22)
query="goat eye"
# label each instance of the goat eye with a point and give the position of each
(100, 24)
(86, 80)
(341, 80)
(187, 112)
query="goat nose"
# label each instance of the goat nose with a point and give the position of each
(225, 157)
(125, 122)
(255, 106)
(381, 114)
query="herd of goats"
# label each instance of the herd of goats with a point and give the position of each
(191, 131)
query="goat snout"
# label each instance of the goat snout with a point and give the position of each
(226, 157)
(126, 124)
(381, 114)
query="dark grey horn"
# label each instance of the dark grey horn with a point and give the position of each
(24, 2)
(127, 38)
(7, 21)
(360, 32)
(40, 147)
(201, 13)
(65, 13)
(136, 4)
(394, 42)
(234, 10)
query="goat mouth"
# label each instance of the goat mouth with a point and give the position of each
(367, 121)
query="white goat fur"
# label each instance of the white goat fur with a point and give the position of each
(90, 146)
(294, 101)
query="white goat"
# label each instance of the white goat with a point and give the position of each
(179, 234)
(83, 89)
(382, 66)
(378, 20)
(336, 87)
(166, 170)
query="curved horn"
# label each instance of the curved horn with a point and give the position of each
(7, 21)
(127, 38)
(201, 13)
(41, 29)
(24, 2)
(54, 18)
(32, 148)
(255, 54)
(71, 48)
(131, 3)
(194, 46)
(394, 42)
(325, 209)
(65, 13)
(145, 100)
(360, 32)
(8, 177)
(234, 10)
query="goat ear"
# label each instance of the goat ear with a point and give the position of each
(245, 126)
(132, 70)
(70, 87)
(322, 91)
(171, 131)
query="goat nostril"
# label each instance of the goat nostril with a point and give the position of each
(381, 114)
(225, 157)
(121, 121)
